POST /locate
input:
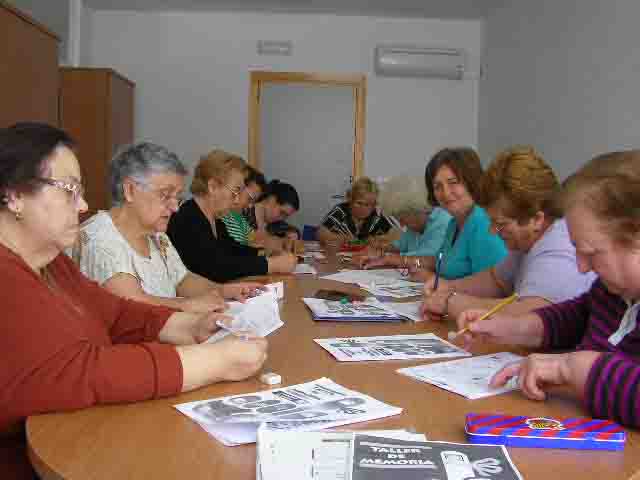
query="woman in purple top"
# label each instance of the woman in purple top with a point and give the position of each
(517, 190)
(602, 208)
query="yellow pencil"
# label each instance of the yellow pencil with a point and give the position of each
(499, 306)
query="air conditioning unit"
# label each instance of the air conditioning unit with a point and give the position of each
(413, 61)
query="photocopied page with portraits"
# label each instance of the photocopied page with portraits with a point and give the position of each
(322, 403)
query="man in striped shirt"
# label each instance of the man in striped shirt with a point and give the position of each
(602, 203)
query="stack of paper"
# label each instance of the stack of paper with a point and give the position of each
(360, 456)
(468, 377)
(369, 310)
(393, 347)
(259, 315)
(315, 405)
(381, 283)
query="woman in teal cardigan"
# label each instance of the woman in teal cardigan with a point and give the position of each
(452, 177)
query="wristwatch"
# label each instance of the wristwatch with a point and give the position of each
(445, 313)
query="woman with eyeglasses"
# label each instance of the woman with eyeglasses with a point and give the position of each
(126, 249)
(405, 198)
(68, 343)
(357, 219)
(217, 185)
(591, 342)
(518, 192)
(236, 225)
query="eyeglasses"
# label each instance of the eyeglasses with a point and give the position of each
(252, 197)
(235, 191)
(165, 196)
(75, 190)
(498, 226)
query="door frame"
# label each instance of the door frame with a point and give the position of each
(357, 81)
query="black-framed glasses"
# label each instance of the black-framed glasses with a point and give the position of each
(75, 190)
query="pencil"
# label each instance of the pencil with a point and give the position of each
(438, 268)
(498, 307)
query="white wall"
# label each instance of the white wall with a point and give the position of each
(191, 71)
(563, 76)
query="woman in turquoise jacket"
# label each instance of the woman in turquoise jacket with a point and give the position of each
(452, 177)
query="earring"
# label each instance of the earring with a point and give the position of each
(18, 215)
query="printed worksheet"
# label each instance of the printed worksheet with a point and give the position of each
(304, 268)
(313, 455)
(365, 456)
(315, 405)
(410, 310)
(468, 377)
(393, 347)
(381, 283)
(369, 309)
(258, 315)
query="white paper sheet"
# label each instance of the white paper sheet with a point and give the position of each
(315, 405)
(368, 309)
(391, 347)
(277, 288)
(468, 377)
(410, 310)
(304, 268)
(364, 456)
(259, 315)
(313, 455)
(381, 283)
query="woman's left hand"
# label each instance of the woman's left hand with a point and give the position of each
(242, 290)
(206, 325)
(190, 328)
(536, 373)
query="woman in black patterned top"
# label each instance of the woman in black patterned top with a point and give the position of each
(356, 219)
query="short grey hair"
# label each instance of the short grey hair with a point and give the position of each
(137, 162)
(404, 195)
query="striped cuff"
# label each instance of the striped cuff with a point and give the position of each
(611, 390)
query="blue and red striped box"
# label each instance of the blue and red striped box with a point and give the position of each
(539, 432)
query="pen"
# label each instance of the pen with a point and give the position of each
(502, 304)
(438, 268)
(243, 335)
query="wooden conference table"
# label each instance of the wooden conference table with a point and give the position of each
(152, 440)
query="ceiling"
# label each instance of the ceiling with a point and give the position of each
(444, 9)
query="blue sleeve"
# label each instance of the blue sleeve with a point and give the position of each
(485, 248)
(402, 244)
(434, 234)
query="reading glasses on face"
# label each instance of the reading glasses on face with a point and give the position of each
(163, 195)
(235, 191)
(75, 190)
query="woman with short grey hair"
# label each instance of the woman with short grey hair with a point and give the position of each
(136, 162)
(405, 199)
(126, 248)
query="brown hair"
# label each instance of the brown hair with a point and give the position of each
(216, 164)
(521, 178)
(361, 187)
(465, 164)
(609, 186)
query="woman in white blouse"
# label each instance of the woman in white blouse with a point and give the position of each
(126, 248)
